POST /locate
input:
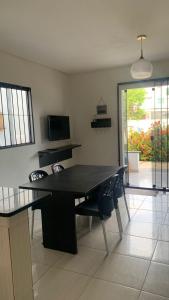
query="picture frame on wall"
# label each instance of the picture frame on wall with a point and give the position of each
(101, 109)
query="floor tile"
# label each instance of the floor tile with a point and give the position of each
(95, 239)
(111, 223)
(132, 211)
(141, 192)
(146, 216)
(164, 233)
(134, 202)
(121, 274)
(99, 290)
(147, 230)
(85, 262)
(46, 256)
(166, 221)
(122, 206)
(161, 253)
(155, 204)
(37, 240)
(136, 246)
(38, 270)
(59, 284)
(157, 280)
(126, 270)
(148, 296)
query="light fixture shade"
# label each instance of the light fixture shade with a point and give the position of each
(141, 69)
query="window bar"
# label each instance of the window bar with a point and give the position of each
(8, 114)
(19, 198)
(3, 199)
(167, 133)
(23, 117)
(3, 116)
(18, 117)
(23, 194)
(13, 114)
(9, 199)
(32, 123)
(154, 142)
(29, 117)
(32, 130)
(127, 134)
(161, 138)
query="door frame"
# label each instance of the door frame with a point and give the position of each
(126, 85)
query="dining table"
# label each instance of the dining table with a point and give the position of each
(58, 211)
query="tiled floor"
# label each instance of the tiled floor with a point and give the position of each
(136, 268)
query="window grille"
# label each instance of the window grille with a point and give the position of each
(16, 116)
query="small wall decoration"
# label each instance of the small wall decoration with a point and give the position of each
(101, 119)
(101, 109)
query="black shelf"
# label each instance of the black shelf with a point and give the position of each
(53, 155)
(101, 123)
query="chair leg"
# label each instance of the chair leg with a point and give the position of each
(32, 227)
(125, 200)
(119, 221)
(105, 237)
(90, 223)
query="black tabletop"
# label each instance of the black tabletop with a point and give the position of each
(14, 200)
(79, 179)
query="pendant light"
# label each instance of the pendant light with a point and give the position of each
(142, 68)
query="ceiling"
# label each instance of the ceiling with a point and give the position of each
(83, 35)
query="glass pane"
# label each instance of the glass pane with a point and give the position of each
(24, 100)
(7, 131)
(27, 135)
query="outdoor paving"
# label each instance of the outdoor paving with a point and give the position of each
(149, 174)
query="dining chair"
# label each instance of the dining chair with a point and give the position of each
(56, 168)
(100, 203)
(120, 188)
(33, 176)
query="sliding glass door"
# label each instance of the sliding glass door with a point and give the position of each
(144, 132)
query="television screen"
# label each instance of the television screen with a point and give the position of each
(58, 128)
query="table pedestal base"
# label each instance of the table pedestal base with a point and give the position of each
(58, 223)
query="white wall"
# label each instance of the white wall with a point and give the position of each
(76, 95)
(49, 96)
(100, 146)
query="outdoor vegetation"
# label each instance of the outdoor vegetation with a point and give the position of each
(153, 143)
(135, 99)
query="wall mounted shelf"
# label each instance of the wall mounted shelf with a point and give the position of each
(53, 155)
(101, 123)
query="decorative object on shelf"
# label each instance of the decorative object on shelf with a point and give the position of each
(101, 119)
(101, 109)
(142, 68)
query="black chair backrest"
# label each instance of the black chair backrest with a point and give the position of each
(119, 189)
(105, 197)
(56, 168)
(37, 174)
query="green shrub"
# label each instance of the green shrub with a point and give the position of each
(153, 144)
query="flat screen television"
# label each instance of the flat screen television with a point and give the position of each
(58, 128)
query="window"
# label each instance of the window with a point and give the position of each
(16, 117)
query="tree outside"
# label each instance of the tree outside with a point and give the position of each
(135, 100)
